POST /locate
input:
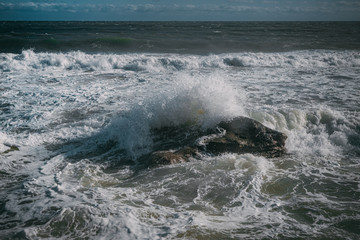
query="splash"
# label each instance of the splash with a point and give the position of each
(188, 101)
(322, 132)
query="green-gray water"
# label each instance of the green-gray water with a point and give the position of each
(78, 102)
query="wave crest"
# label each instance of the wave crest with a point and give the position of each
(322, 132)
(187, 102)
(29, 60)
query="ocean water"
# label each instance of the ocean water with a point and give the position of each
(78, 101)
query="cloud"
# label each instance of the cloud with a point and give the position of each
(271, 6)
(235, 6)
(32, 6)
(54, 7)
(144, 7)
(189, 7)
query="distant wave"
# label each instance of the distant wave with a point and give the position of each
(29, 60)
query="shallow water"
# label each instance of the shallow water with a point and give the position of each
(81, 120)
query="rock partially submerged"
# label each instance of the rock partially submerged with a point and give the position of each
(171, 157)
(245, 135)
(239, 135)
(11, 148)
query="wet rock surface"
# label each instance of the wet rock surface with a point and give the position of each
(11, 148)
(245, 135)
(239, 135)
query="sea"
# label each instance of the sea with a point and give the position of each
(79, 102)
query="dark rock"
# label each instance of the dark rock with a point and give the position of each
(165, 157)
(245, 135)
(11, 149)
(171, 157)
(239, 135)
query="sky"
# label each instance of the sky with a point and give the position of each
(180, 10)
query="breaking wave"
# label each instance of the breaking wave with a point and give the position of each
(186, 102)
(28, 60)
(75, 126)
(321, 132)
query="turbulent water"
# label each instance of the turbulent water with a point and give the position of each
(78, 102)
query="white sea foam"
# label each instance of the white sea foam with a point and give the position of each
(71, 115)
(323, 131)
(186, 101)
(30, 61)
(156, 90)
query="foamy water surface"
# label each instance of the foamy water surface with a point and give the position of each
(81, 121)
